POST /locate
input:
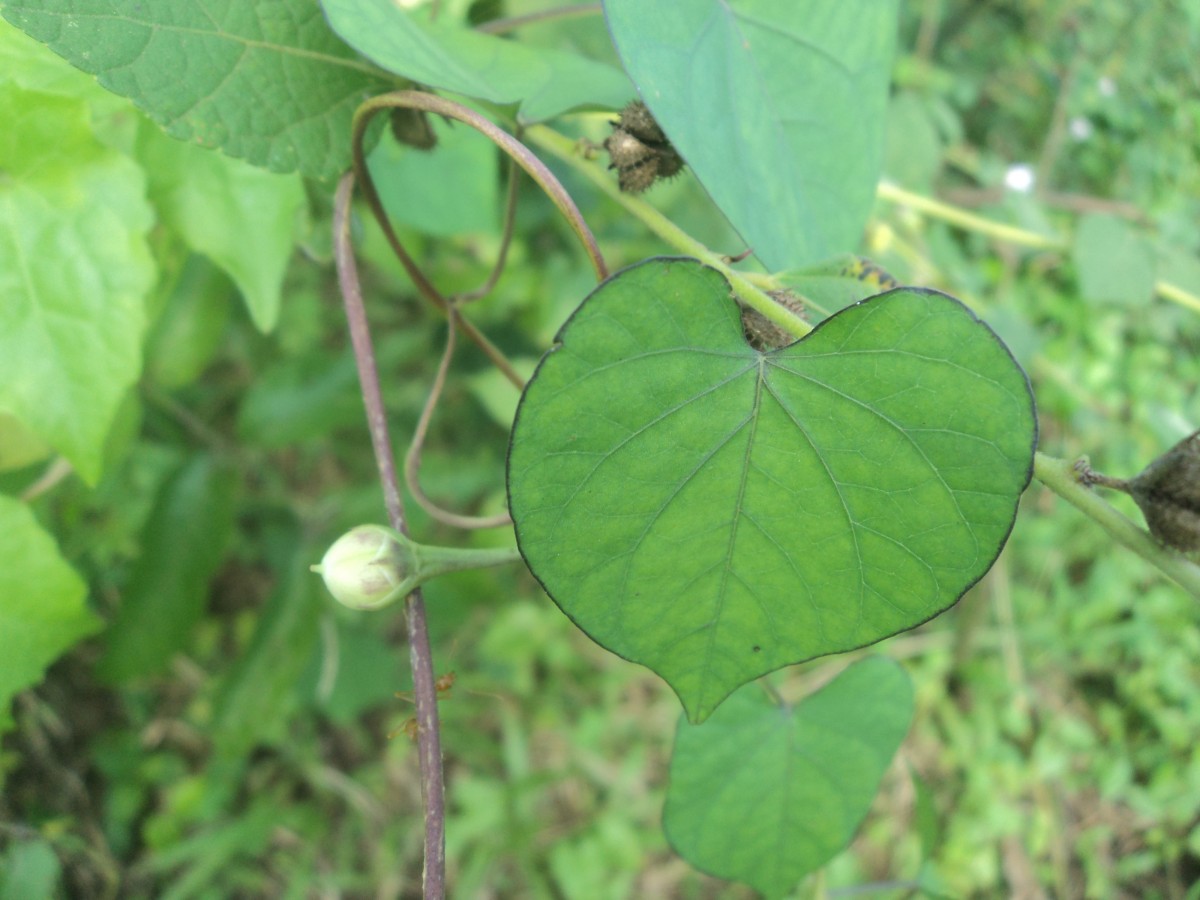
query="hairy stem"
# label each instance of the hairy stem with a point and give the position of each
(429, 747)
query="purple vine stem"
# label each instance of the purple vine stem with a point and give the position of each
(429, 746)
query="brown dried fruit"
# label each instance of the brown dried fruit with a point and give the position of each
(635, 179)
(412, 127)
(637, 119)
(639, 150)
(1167, 491)
(670, 163)
(761, 333)
(626, 151)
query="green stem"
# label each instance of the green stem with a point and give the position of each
(968, 221)
(1059, 475)
(568, 151)
(431, 561)
(1176, 294)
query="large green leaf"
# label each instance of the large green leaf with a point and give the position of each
(30, 65)
(74, 272)
(42, 608)
(545, 82)
(764, 794)
(267, 81)
(715, 512)
(778, 107)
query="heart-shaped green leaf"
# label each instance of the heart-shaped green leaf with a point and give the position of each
(715, 512)
(777, 106)
(765, 794)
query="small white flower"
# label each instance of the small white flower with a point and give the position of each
(1081, 128)
(1106, 86)
(1019, 178)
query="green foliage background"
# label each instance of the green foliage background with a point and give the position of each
(1057, 706)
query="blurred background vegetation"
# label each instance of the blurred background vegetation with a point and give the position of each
(1058, 721)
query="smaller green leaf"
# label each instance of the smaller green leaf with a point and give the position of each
(1114, 262)
(42, 608)
(545, 82)
(242, 218)
(765, 794)
(183, 544)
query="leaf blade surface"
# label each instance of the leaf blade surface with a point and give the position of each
(267, 82)
(715, 513)
(765, 794)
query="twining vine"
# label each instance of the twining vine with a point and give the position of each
(753, 290)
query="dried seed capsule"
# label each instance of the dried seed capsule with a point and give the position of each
(670, 163)
(626, 151)
(763, 334)
(1167, 491)
(638, 121)
(635, 179)
(639, 150)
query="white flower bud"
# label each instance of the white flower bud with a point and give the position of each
(364, 567)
